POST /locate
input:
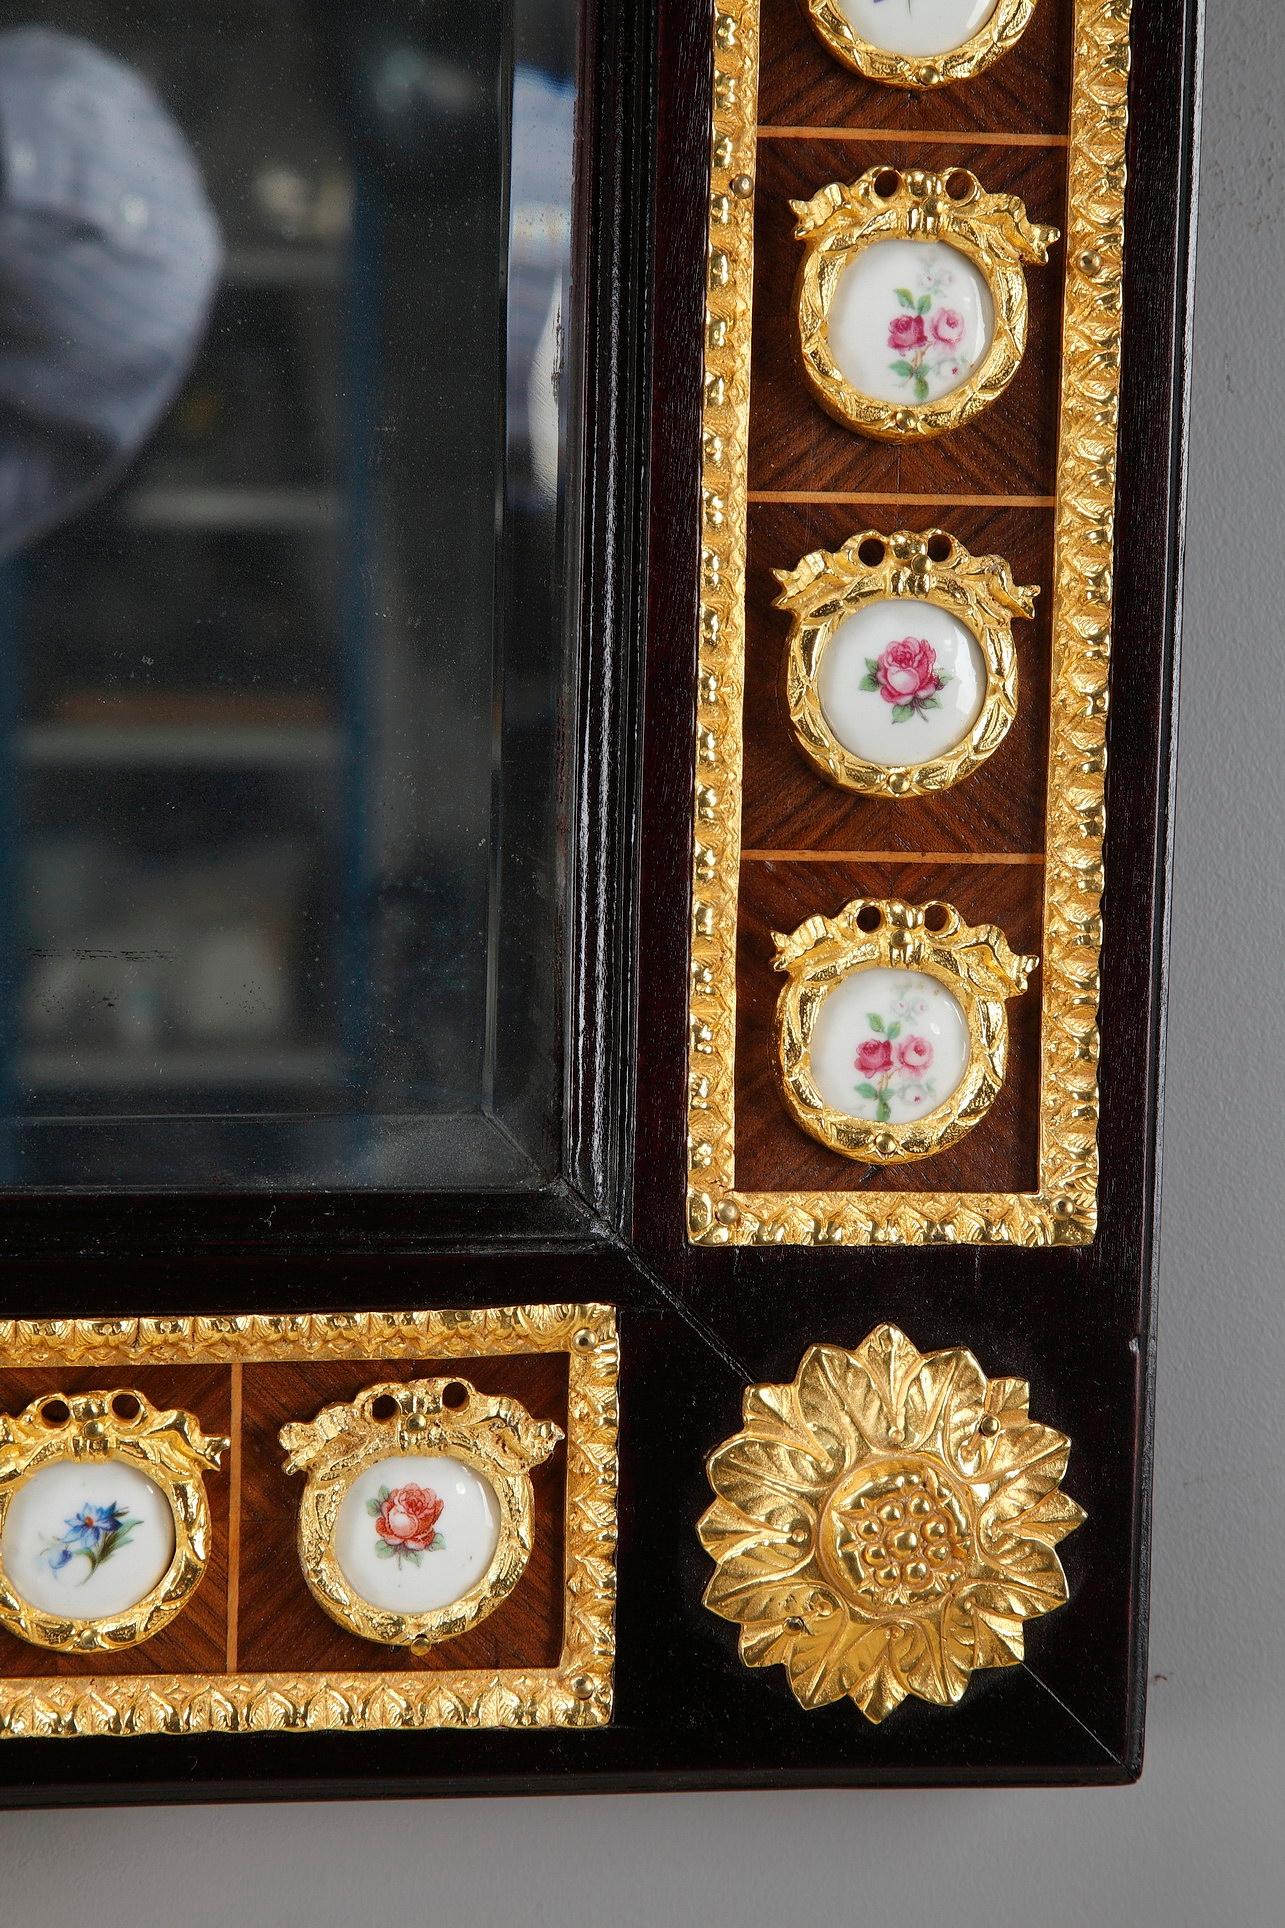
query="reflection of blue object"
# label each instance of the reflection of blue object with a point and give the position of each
(109, 254)
(414, 94)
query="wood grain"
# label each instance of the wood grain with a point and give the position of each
(195, 1641)
(282, 1627)
(802, 84)
(773, 1154)
(1011, 449)
(789, 805)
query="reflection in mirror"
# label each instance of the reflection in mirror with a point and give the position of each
(283, 591)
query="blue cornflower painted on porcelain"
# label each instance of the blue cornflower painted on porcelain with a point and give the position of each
(92, 1533)
(91, 1525)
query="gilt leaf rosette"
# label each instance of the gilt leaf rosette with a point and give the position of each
(885, 1525)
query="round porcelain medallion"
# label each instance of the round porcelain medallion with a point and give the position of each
(910, 321)
(901, 682)
(416, 1534)
(87, 1540)
(889, 1046)
(916, 26)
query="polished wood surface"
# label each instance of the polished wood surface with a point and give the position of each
(991, 486)
(1010, 449)
(788, 805)
(253, 1610)
(773, 1154)
(802, 84)
(195, 1641)
(282, 1628)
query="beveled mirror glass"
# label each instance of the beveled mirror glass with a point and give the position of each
(284, 447)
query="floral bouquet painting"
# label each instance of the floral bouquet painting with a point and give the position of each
(925, 336)
(905, 675)
(894, 1061)
(406, 1523)
(91, 1534)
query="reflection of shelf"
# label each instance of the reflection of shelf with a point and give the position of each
(109, 1070)
(283, 266)
(49, 745)
(301, 511)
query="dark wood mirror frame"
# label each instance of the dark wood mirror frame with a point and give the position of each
(696, 1325)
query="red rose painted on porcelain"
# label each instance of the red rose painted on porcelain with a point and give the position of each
(906, 332)
(407, 1518)
(907, 670)
(948, 327)
(914, 1053)
(874, 1056)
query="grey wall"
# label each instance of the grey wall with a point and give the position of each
(1201, 1843)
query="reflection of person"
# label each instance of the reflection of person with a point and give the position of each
(417, 99)
(109, 256)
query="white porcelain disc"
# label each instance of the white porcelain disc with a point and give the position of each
(889, 1046)
(910, 321)
(916, 26)
(415, 1534)
(87, 1540)
(901, 681)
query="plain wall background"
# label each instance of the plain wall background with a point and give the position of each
(1201, 1842)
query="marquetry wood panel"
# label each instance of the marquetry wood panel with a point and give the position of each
(808, 845)
(280, 1625)
(1025, 93)
(196, 1640)
(788, 805)
(253, 1612)
(772, 1153)
(1010, 449)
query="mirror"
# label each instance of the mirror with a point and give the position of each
(284, 492)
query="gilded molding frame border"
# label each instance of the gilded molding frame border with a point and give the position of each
(1063, 1209)
(575, 1693)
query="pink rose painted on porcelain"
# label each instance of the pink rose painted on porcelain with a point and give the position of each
(914, 1053)
(406, 1521)
(906, 670)
(907, 332)
(874, 1056)
(926, 336)
(906, 676)
(891, 1067)
(948, 327)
